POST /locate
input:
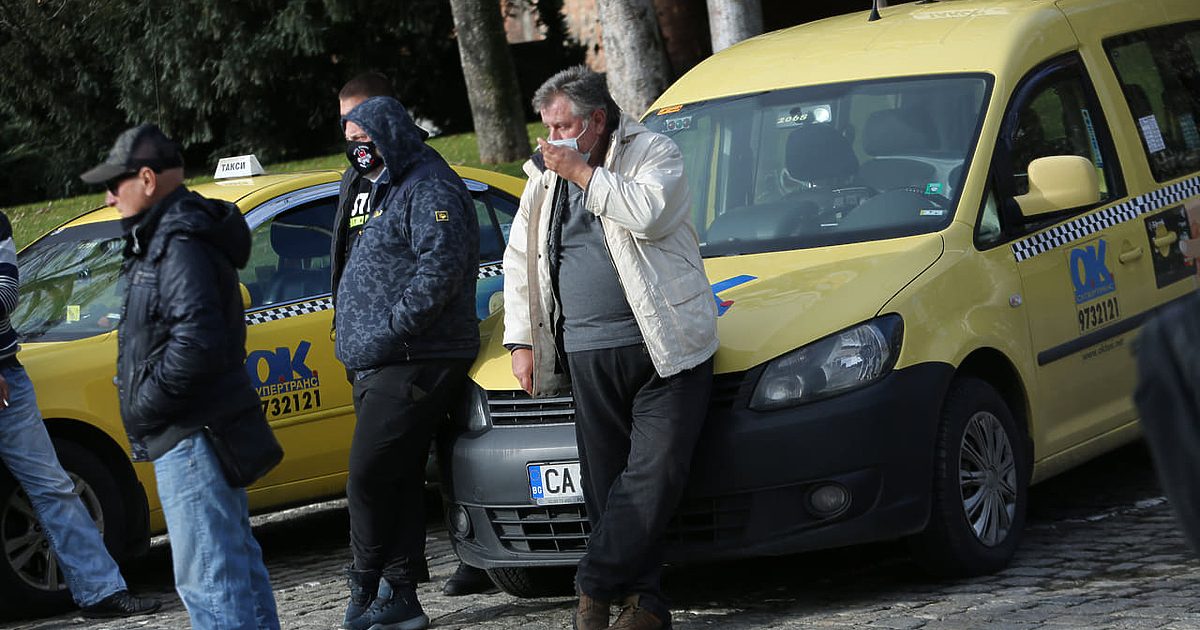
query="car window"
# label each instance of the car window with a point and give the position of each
(1159, 71)
(70, 284)
(1053, 112)
(495, 211)
(823, 165)
(289, 255)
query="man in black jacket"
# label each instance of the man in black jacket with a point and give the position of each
(355, 204)
(181, 349)
(408, 332)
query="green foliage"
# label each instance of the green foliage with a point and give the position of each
(222, 76)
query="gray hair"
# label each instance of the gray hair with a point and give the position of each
(586, 90)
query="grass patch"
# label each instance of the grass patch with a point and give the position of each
(31, 220)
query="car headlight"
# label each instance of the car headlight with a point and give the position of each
(841, 362)
(478, 417)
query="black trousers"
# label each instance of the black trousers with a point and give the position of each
(398, 409)
(636, 433)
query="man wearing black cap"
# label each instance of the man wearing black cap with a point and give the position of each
(93, 577)
(181, 349)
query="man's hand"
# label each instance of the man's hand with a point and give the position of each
(567, 162)
(522, 366)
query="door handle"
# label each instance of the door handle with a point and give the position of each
(1129, 253)
(1163, 238)
(1165, 241)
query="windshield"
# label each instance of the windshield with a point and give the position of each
(69, 284)
(826, 165)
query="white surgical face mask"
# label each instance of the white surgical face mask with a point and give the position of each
(574, 142)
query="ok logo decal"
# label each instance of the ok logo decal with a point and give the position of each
(1089, 272)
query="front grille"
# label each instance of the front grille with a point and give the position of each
(516, 408)
(545, 528)
(565, 528)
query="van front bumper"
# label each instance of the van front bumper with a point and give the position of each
(762, 483)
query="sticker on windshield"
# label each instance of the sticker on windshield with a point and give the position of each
(933, 212)
(669, 110)
(933, 188)
(679, 124)
(72, 312)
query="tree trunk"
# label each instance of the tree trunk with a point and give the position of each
(638, 70)
(491, 81)
(731, 21)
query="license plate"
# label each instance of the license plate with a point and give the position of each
(555, 483)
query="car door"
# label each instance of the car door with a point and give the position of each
(1081, 269)
(289, 343)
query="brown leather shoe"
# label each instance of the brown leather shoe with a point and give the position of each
(634, 617)
(592, 614)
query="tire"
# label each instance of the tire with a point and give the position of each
(530, 582)
(980, 485)
(31, 581)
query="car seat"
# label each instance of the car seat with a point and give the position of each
(302, 241)
(889, 133)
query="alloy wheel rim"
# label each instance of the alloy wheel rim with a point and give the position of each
(987, 479)
(26, 548)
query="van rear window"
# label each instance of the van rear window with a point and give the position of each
(825, 165)
(1159, 71)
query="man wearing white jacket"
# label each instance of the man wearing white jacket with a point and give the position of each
(605, 293)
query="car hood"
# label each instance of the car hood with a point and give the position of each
(769, 304)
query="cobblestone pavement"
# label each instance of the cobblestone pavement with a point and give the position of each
(1101, 550)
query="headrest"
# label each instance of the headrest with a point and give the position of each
(818, 153)
(898, 132)
(303, 234)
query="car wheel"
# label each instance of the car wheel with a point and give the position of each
(31, 580)
(532, 582)
(980, 485)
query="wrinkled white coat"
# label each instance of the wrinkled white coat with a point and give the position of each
(641, 196)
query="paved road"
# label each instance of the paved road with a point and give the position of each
(1101, 550)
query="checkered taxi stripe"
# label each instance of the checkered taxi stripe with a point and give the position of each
(289, 310)
(303, 308)
(1083, 226)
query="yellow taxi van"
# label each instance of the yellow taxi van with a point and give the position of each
(67, 317)
(932, 235)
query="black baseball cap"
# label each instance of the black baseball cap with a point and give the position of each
(144, 145)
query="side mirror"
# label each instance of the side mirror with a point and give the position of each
(245, 296)
(1058, 182)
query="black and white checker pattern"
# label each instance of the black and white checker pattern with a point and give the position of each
(1083, 226)
(491, 271)
(289, 310)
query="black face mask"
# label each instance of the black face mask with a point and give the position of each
(362, 156)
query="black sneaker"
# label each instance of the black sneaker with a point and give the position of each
(396, 609)
(121, 604)
(468, 580)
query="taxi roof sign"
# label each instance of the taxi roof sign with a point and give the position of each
(239, 166)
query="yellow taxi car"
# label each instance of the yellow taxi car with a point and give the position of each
(70, 304)
(932, 237)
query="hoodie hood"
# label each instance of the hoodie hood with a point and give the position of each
(398, 139)
(218, 223)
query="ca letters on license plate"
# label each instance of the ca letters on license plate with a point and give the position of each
(555, 483)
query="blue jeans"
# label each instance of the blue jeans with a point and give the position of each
(219, 571)
(28, 453)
